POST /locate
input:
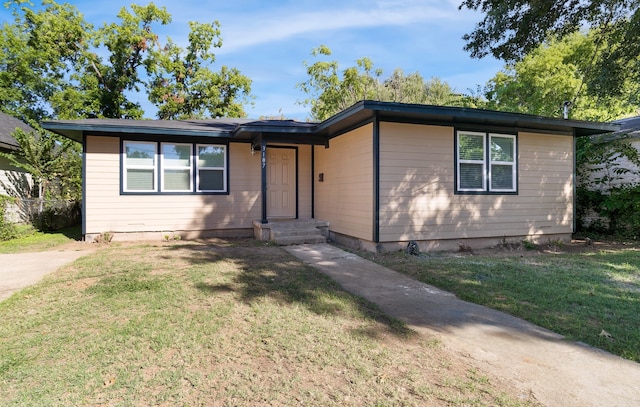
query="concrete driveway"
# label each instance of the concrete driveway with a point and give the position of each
(20, 270)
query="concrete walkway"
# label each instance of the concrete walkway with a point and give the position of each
(539, 362)
(20, 270)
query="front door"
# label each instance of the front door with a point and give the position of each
(281, 182)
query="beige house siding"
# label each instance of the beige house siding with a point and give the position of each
(305, 182)
(417, 188)
(108, 211)
(345, 197)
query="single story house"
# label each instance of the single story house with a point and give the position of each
(614, 170)
(8, 144)
(9, 174)
(376, 175)
(629, 132)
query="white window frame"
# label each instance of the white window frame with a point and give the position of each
(487, 163)
(503, 163)
(175, 167)
(483, 161)
(223, 167)
(126, 166)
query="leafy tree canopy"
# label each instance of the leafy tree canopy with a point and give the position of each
(182, 87)
(53, 64)
(37, 52)
(512, 29)
(332, 89)
(55, 165)
(554, 73)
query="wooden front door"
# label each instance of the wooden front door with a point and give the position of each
(281, 183)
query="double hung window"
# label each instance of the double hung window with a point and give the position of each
(140, 166)
(177, 174)
(486, 162)
(212, 161)
(151, 167)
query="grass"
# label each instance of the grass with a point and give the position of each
(592, 296)
(218, 323)
(31, 240)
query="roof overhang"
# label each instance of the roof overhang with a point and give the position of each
(319, 133)
(9, 147)
(459, 117)
(75, 129)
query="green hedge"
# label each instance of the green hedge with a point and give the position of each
(620, 208)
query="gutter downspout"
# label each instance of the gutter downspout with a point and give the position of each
(575, 181)
(83, 207)
(313, 181)
(376, 179)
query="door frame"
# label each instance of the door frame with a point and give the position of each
(296, 181)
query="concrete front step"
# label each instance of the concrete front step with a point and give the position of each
(289, 232)
(305, 239)
(275, 233)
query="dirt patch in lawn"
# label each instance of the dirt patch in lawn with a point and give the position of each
(526, 249)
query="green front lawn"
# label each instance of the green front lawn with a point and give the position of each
(31, 240)
(222, 323)
(589, 295)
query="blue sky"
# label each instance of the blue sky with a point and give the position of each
(268, 41)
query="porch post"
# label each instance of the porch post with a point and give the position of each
(263, 161)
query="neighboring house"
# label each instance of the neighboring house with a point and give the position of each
(381, 174)
(9, 174)
(629, 130)
(614, 170)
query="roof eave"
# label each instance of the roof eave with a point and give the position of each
(9, 147)
(76, 131)
(367, 109)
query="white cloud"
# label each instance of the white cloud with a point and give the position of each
(278, 25)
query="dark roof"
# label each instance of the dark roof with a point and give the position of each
(318, 133)
(461, 117)
(242, 129)
(629, 126)
(8, 125)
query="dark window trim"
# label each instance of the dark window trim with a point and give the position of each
(158, 142)
(487, 133)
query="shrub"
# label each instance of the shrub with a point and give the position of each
(57, 215)
(622, 207)
(618, 210)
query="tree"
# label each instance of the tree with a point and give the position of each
(182, 87)
(48, 161)
(332, 90)
(56, 65)
(512, 29)
(552, 74)
(129, 46)
(412, 88)
(56, 169)
(37, 51)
